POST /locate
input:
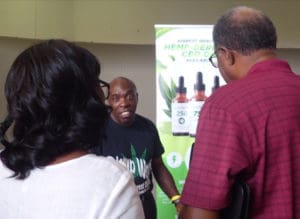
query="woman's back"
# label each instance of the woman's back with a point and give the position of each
(87, 187)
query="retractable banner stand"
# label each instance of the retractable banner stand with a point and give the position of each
(184, 79)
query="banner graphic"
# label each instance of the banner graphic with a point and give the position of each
(184, 79)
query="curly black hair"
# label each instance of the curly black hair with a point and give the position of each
(53, 105)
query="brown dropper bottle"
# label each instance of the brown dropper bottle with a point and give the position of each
(196, 103)
(199, 89)
(179, 110)
(216, 84)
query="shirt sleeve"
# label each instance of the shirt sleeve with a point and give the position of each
(217, 159)
(158, 147)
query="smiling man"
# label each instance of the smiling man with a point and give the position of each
(133, 141)
(123, 100)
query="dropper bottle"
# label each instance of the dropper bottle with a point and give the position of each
(199, 89)
(196, 103)
(216, 84)
(179, 110)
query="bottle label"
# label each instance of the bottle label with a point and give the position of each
(180, 118)
(194, 112)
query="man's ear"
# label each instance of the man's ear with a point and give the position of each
(137, 96)
(229, 56)
(232, 57)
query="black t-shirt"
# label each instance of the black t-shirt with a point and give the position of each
(134, 146)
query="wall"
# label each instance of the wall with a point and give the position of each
(134, 61)
(130, 21)
(37, 19)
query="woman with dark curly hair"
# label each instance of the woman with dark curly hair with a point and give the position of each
(57, 113)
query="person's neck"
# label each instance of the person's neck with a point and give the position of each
(262, 55)
(69, 156)
(246, 62)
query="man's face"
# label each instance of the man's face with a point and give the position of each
(123, 100)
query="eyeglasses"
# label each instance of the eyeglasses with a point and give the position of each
(104, 87)
(213, 60)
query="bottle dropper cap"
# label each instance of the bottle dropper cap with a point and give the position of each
(181, 88)
(216, 83)
(199, 83)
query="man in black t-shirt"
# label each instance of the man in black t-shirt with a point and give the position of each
(133, 140)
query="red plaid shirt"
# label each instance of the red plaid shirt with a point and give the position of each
(250, 127)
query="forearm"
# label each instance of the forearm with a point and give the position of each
(166, 182)
(164, 179)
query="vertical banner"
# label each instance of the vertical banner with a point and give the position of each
(184, 79)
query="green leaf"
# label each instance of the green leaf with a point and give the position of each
(160, 66)
(164, 89)
(172, 57)
(173, 89)
(133, 152)
(134, 159)
(166, 94)
(144, 155)
(162, 30)
(169, 104)
(167, 112)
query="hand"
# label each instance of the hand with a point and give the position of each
(179, 207)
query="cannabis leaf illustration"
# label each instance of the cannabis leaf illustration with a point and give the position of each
(134, 159)
(144, 155)
(162, 30)
(168, 93)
